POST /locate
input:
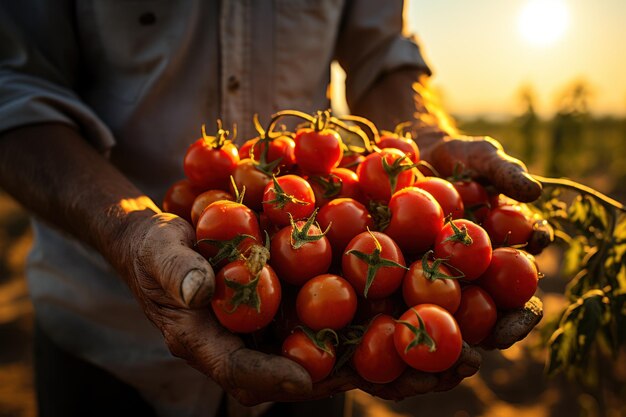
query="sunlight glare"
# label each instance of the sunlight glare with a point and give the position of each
(543, 22)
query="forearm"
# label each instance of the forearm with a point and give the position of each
(59, 177)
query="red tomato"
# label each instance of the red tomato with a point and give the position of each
(439, 328)
(351, 160)
(511, 278)
(476, 315)
(296, 198)
(378, 183)
(406, 145)
(467, 249)
(416, 219)
(245, 317)
(223, 221)
(281, 148)
(507, 225)
(446, 195)
(179, 199)
(326, 301)
(475, 198)
(205, 199)
(301, 349)
(297, 260)
(430, 286)
(375, 358)
(318, 152)
(208, 166)
(247, 175)
(341, 183)
(346, 218)
(381, 274)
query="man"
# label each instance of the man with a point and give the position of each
(98, 103)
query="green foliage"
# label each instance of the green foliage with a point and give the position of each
(592, 228)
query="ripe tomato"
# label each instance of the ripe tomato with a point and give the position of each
(346, 218)
(281, 148)
(476, 315)
(475, 199)
(318, 152)
(326, 301)
(223, 221)
(209, 164)
(379, 183)
(507, 225)
(429, 285)
(375, 358)
(341, 183)
(351, 160)
(439, 333)
(205, 199)
(301, 349)
(405, 144)
(259, 305)
(374, 265)
(465, 246)
(179, 198)
(296, 257)
(511, 278)
(289, 194)
(247, 175)
(446, 195)
(416, 219)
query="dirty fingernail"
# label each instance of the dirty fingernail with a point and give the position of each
(191, 285)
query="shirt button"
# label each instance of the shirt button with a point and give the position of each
(232, 84)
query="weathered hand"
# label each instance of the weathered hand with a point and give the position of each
(482, 157)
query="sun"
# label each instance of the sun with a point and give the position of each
(543, 22)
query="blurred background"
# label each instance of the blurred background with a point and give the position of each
(545, 77)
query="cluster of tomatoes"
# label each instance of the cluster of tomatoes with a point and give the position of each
(341, 250)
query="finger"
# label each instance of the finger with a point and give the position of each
(515, 325)
(252, 377)
(171, 267)
(466, 366)
(412, 382)
(510, 177)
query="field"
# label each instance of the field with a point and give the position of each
(510, 383)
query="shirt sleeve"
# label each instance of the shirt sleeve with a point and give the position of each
(38, 70)
(372, 42)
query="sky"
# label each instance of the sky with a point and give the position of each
(481, 58)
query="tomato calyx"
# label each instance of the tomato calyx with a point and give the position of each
(460, 235)
(374, 262)
(351, 337)
(421, 335)
(320, 338)
(460, 174)
(380, 213)
(300, 235)
(281, 198)
(331, 185)
(247, 294)
(395, 169)
(261, 164)
(220, 138)
(433, 273)
(227, 249)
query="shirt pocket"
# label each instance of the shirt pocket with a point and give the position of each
(305, 37)
(125, 43)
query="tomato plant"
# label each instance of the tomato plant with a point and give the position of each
(374, 264)
(313, 351)
(210, 161)
(300, 252)
(511, 278)
(465, 246)
(326, 301)
(286, 196)
(428, 338)
(476, 315)
(375, 357)
(318, 149)
(246, 296)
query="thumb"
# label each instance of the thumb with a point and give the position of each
(169, 269)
